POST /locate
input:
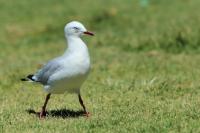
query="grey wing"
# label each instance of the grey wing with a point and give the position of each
(49, 69)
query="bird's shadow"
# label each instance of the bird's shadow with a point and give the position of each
(61, 113)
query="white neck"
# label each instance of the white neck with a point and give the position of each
(76, 45)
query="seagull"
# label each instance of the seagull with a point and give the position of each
(68, 72)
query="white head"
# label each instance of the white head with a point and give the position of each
(75, 28)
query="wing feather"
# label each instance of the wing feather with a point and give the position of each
(48, 70)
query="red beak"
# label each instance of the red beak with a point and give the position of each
(89, 33)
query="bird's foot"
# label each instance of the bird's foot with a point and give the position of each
(87, 114)
(42, 114)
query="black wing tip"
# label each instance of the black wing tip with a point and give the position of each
(29, 77)
(23, 79)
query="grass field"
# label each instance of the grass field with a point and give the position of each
(145, 66)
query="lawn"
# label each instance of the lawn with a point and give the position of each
(145, 66)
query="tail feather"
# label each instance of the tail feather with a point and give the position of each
(28, 78)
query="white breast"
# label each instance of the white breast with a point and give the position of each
(74, 71)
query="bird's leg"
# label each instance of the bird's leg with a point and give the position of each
(82, 104)
(43, 111)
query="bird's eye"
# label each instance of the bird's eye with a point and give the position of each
(76, 28)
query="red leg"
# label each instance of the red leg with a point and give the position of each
(43, 111)
(82, 104)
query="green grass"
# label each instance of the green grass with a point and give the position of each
(145, 65)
